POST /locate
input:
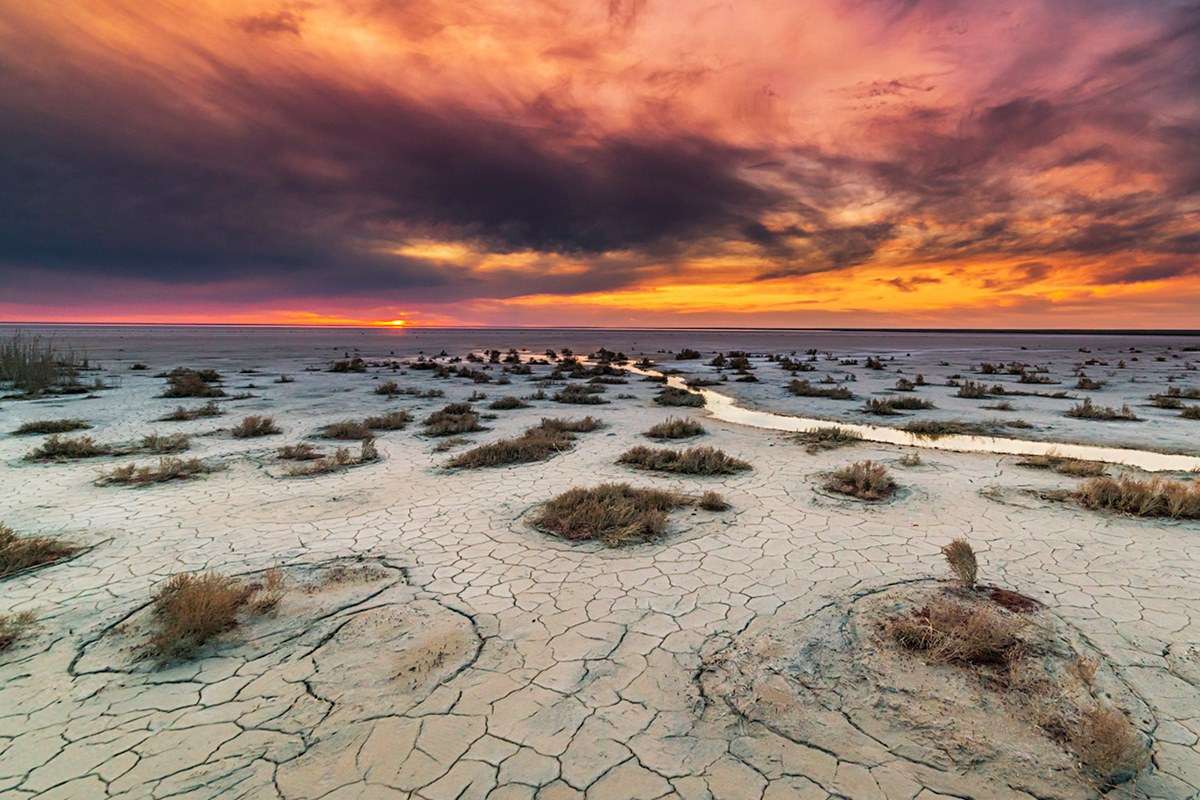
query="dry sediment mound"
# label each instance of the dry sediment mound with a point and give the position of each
(842, 679)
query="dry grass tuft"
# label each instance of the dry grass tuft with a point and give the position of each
(890, 406)
(13, 627)
(587, 394)
(342, 458)
(865, 480)
(51, 426)
(388, 389)
(190, 610)
(391, 421)
(961, 558)
(1157, 497)
(346, 430)
(1190, 412)
(1088, 410)
(181, 414)
(183, 382)
(298, 452)
(674, 428)
(160, 444)
(911, 460)
(670, 396)
(1108, 744)
(693, 461)
(830, 438)
(254, 426)
(453, 419)
(19, 553)
(56, 448)
(713, 501)
(167, 469)
(1075, 467)
(544, 440)
(613, 513)
(507, 403)
(803, 388)
(953, 632)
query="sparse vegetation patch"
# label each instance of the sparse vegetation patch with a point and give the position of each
(866, 480)
(693, 461)
(675, 428)
(612, 513)
(544, 440)
(18, 553)
(51, 426)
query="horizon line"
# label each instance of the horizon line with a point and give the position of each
(852, 329)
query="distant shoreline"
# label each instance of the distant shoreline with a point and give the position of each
(277, 326)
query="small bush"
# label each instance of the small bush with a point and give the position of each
(14, 627)
(911, 460)
(687, 354)
(1109, 744)
(579, 394)
(961, 557)
(391, 421)
(713, 501)
(693, 461)
(56, 448)
(349, 365)
(1087, 384)
(670, 396)
(254, 426)
(889, 406)
(957, 633)
(826, 439)
(454, 419)
(298, 452)
(183, 382)
(803, 388)
(1088, 410)
(674, 428)
(1191, 412)
(346, 429)
(161, 444)
(972, 390)
(865, 480)
(507, 403)
(167, 469)
(544, 440)
(1157, 497)
(613, 513)
(181, 414)
(19, 553)
(388, 389)
(341, 459)
(190, 610)
(34, 366)
(1003, 405)
(51, 426)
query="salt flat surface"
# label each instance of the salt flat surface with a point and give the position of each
(585, 680)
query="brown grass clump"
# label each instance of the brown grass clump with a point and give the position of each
(670, 396)
(889, 406)
(254, 426)
(1191, 412)
(507, 403)
(453, 419)
(803, 388)
(19, 553)
(693, 461)
(51, 426)
(1088, 410)
(391, 421)
(826, 439)
(934, 428)
(865, 480)
(56, 448)
(183, 382)
(1108, 744)
(181, 414)
(613, 513)
(312, 463)
(544, 440)
(388, 389)
(1157, 497)
(713, 501)
(911, 460)
(954, 632)
(347, 429)
(298, 452)
(674, 428)
(15, 626)
(1074, 467)
(161, 444)
(587, 394)
(190, 610)
(961, 558)
(167, 469)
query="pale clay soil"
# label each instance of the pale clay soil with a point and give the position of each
(431, 644)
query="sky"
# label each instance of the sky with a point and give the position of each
(790, 163)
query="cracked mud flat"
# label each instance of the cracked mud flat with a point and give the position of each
(552, 670)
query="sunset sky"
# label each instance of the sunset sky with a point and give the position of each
(602, 162)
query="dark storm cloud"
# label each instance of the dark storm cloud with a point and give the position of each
(317, 175)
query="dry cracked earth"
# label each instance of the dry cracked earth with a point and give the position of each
(431, 644)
